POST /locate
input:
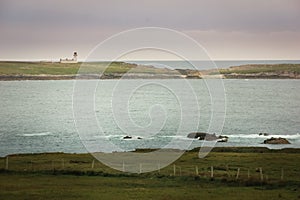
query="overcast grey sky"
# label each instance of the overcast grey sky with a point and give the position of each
(228, 29)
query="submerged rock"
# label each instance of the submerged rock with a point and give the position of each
(223, 138)
(127, 137)
(276, 141)
(263, 134)
(207, 136)
(195, 135)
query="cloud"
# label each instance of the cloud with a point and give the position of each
(34, 24)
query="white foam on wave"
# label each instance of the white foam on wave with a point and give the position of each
(36, 134)
(254, 136)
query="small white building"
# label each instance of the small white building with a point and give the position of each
(70, 60)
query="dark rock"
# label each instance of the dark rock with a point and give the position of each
(127, 137)
(263, 134)
(207, 136)
(139, 138)
(195, 135)
(276, 141)
(223, 138)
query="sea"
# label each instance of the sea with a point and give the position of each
(78, 116)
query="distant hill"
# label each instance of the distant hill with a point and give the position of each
(10, 70)
(259, 71)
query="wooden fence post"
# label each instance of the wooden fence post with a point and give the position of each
(158, 167)
(174, 170)
(282, 174)
(179, 171)
(6, 164)
(211, 172)
(237, 174)
(197, 172)
(31, 165)
(261, 174)
(227, 169)
(63, 163)
(93, 163)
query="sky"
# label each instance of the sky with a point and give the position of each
(227, 29)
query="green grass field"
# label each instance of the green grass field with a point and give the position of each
(74, 176)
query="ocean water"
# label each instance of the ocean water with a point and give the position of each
(45, 116)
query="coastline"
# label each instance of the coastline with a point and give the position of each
(143, 76)
(14, 71)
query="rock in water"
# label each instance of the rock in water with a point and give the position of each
(207, 136)
(195, 135)
(276, 141)
(223, 138)
(127, 137)
(263, 134)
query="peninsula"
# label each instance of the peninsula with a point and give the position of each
(13, 70)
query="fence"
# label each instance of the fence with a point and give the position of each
(28, 164)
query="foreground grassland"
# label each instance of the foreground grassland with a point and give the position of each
(77, 176)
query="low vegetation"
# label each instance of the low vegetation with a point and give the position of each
(261, 68)
(238, 173)
(55, 68)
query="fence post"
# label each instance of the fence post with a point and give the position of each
(211, 172)
(261, 174)
(93, 163)
(31, 165)
(237, 174)
(6, 164)
(227, 169)
(197, 172)
(158, 167)
(63, 163)
(179, 171)
(282, 174)
(174, 170)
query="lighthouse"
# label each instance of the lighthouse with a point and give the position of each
(68, 60)
(75, 56)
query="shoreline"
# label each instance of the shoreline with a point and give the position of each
(136, 76)
(10, 71)
(147, 150)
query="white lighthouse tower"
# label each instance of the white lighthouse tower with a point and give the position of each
(75, 56)
(68, 60)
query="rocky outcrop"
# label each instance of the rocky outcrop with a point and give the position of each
(207, 136)
(263, 134)
(276, 141)
(195, 135)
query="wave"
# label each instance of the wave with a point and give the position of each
(37, 134)
(294, 136)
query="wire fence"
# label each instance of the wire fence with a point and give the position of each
(224, 171)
